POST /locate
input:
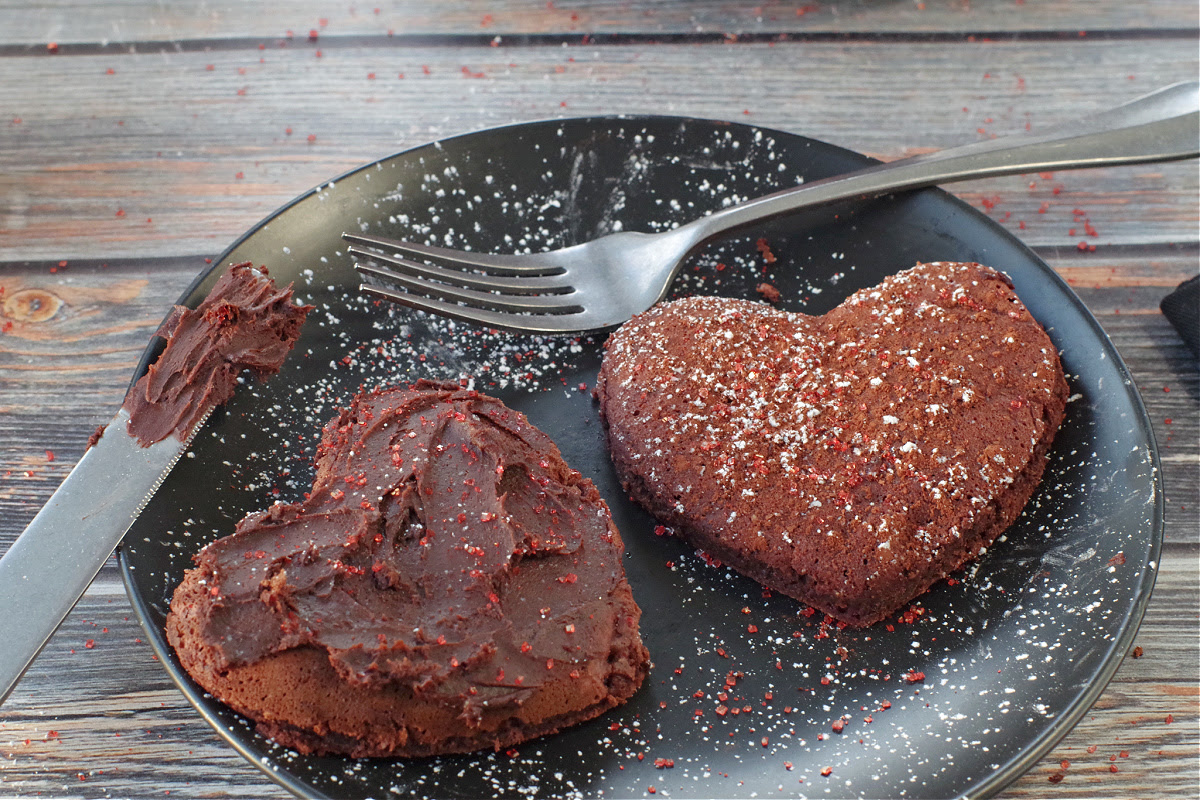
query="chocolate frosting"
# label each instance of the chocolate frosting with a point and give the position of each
(246, 322)
(445, 545)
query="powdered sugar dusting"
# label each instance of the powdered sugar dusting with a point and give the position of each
(1001, 649)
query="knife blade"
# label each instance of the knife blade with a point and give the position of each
(52, 563)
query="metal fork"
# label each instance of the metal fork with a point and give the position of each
(600, 284)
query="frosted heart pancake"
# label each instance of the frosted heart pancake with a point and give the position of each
(448, 584)
(851, 460)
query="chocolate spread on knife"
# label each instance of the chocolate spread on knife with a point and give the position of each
(444, 545)
(246, 322)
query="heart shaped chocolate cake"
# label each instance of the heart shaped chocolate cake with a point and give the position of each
(850, 460)
(448, 584)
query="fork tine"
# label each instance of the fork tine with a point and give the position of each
(517, 323)
(512, 303)
(532, 284)
(509, 265)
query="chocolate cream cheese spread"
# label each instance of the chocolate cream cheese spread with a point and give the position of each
(449, 580)
(245, 322)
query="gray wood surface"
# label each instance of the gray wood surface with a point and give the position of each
(133, 177)
(68, 21)
(164, 125)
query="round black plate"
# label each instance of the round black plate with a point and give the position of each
(745, 688)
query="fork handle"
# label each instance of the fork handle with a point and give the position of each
(1161, 126)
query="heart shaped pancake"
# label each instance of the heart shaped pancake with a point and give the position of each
(449, 584)
(850, 460)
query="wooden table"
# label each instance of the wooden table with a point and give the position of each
(139, 138)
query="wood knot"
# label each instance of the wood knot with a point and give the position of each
(32, 305)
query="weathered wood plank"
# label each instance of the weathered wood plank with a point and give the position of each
(67, 374)
(145, 161)
(119, 713)
(1144, 733)
(64, 21)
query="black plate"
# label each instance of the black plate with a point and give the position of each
(1014, 651)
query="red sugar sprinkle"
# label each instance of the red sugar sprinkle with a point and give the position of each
(826, 771)
(764, 250)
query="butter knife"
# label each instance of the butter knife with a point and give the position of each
(53, 561)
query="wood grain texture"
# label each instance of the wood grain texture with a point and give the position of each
(146, 161)
(156, 133)
(115, 719)
(66, 21)
(124, 714)
(75, 366)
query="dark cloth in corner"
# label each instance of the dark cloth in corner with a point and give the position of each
(1182, 308)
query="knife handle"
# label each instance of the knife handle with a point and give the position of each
(51, 564)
